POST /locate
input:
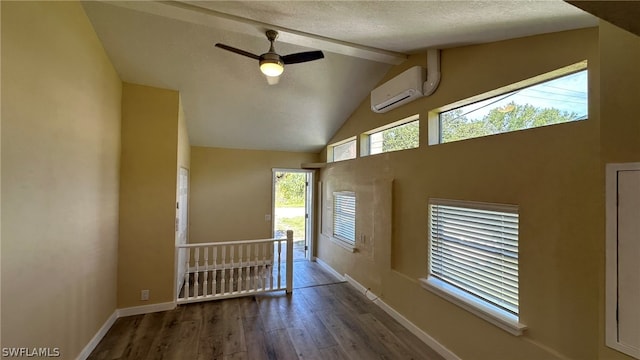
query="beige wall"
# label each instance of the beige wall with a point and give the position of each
(184, 149)
(150, 119)
(60, 164)
(620, 124)
(231, 191)
(620, 84)
(553, 173)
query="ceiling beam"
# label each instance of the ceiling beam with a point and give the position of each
(202, 16)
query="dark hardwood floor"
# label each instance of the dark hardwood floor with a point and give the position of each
(322, 319)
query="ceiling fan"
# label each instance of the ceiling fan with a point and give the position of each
(271, 63)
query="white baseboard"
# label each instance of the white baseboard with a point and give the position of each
(426, 338)
(330, 269)
(84, 354)
(118, 313)
(146, 309)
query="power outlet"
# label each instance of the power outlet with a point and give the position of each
(144, 295)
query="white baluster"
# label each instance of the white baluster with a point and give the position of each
(224, 265)
(278, 258)
(265, 276)
(214, 274)
(240, 268)
(186, 274)
(255, 269)
(196, 259)
(231, 282)
(247, 273)
(205, 290)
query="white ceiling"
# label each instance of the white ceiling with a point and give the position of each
(228, 103)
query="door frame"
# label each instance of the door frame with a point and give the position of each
(179, 278)
(611, 247)
(309, 206)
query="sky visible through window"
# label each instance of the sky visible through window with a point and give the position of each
(560, 100)
(567, 94)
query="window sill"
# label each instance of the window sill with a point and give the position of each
(343, 244)
(498, 317)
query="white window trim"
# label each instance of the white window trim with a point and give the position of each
(343, 244)
(498, 317)
(331, 146)
(491, 313)
(433, 116)
(365, 149)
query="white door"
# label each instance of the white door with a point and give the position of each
(181, 224)
(629, 259)
(622, 307)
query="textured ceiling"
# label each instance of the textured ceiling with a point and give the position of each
(228, 103)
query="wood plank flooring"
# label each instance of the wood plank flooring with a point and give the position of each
(322, 319)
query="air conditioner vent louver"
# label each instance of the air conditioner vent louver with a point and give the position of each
(398, 91)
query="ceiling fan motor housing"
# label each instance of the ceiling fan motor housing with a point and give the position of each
(271, 64)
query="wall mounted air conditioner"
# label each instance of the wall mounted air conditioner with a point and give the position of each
(398, 91)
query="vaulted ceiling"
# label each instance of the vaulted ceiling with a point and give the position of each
(227, 101)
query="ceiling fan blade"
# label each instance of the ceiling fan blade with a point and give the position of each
(302, 57)
(238, 51)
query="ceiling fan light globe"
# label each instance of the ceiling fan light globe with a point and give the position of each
(271, 67)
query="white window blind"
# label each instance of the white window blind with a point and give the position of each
(344, 216)
(474, 247)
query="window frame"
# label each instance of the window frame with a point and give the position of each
(434, 124)
(349, 244)
(484, 309)
(365, 138)
(330, 149)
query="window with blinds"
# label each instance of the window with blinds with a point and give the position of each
(344, 216)
(474, 247)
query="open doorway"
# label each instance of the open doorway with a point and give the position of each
(182, 206)
(292, 194)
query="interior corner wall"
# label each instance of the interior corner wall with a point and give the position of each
(184, 147)
(620, 123)
(150, 121)
(620, 84)
(231, 191)
(61, 102)
(552, 173)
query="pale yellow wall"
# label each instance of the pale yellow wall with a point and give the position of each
(60, 164)
(184, 156)
(150, 118)
(553, 173)
(620, 124)
(620, 84)
(184, 149)
(231, 191)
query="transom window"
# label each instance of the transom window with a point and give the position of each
(473, 257)
(343, 150)
(557, 97)
(400, 135)
(344, 216)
